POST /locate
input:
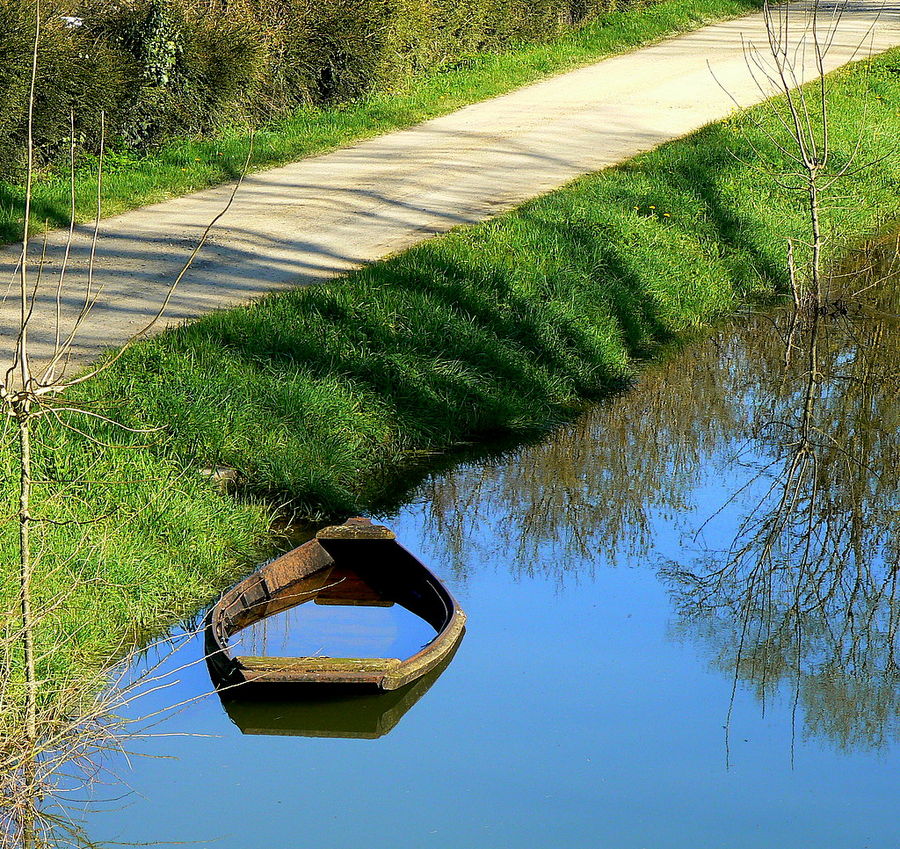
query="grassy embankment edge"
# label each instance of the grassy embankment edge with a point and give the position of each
(187, 165)
(326, 397)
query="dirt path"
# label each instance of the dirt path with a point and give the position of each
(308, 221)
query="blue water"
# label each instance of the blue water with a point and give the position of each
(594, 701)
(336, 631)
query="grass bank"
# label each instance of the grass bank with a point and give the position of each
(324, 398)
(319, 396)
(190, 164)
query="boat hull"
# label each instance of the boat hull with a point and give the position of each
(354, 563)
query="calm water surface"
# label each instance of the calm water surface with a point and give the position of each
(336, 631)
(683, 614)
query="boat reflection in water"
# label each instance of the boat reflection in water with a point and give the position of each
(295, 711)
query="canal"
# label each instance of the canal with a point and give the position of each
(682, 632)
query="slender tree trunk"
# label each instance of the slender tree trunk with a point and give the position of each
(816, 265)
(812, 382)
(29, 822)
(25, 570)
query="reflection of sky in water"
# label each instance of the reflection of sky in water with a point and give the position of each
(336, 631)
(584, 707)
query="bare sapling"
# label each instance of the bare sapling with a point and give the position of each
(792, 64)
(32, 390)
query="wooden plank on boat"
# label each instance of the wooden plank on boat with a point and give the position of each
(336, 664)
(297, 564)
(334, 670)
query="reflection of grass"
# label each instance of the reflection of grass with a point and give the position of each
(323, 396)
(191, 164)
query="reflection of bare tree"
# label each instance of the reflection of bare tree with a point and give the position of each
(80, 732)
(587, 493)
(59, 755)
(30, 826)
(806, 593)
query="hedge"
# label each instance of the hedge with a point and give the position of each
(158, 68)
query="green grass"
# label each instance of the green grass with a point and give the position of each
(137, 543)
(191, 164)
(325, 398)
(322, 396)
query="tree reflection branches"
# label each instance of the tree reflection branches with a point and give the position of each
(84, 728)
(793, 581)
(807, 590)
(593, 491)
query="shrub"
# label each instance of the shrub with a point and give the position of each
(157, 68)
(76, 75)
(195, 68)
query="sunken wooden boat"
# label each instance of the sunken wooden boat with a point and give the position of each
(357, 563)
